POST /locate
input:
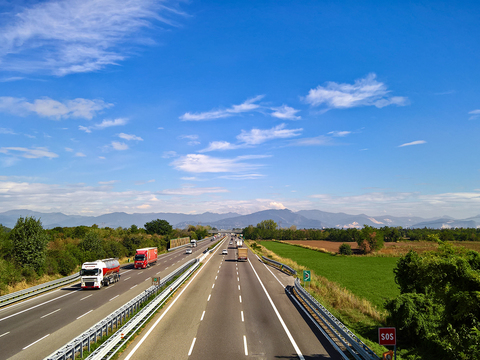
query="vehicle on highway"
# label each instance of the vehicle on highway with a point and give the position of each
(193, 243)
(242, 254)
(188, 251)
(145, 257)
(99, 273)
(231, 243)
(224, 252)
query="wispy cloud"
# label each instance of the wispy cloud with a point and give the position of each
(169, 154)
(285, 112)
(7, 131)
(193, 191)
(79, 154)
(46, 107)
(62, 37)
(32, 153)
(247, 106)
(258, 136)
(475, 114)
(129, 137)
(198, 163)
(418, 142)
(320, 140)
(364, 92)
(104, 124)
(242, 176)
(119, 145)
(339, 133)
(220, 146)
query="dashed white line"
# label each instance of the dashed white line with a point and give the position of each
(241, 312)
(8, 332)
(140, 272)
(50, 313)
(216, 277)
(240, 297)
(133, 287)
(238, 287)
(35, 342)
(86, 297)
(127, 278)
(201, 319)
(191, 347)
(245, 345)
(84, 314)
(209, 297)
(114, 297)
(213, 286)
(238, 279)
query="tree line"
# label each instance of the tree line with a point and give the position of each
(28, 251)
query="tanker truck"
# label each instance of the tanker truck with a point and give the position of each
(145, 257)
(100, 273)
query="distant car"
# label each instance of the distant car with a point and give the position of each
(231, 242)
(224, 252)
(188, 251)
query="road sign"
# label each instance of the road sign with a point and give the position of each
(156, 281)
(306, 275)
(387, 336)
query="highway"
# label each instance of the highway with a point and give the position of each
(34, 328)
(231, 310)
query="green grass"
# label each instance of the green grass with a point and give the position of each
(368, 277)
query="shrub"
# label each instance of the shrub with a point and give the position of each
(345, 249)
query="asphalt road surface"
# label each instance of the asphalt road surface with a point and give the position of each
(231, 310)
(34, 328)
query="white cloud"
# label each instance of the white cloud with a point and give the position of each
(169, 154)
(242, 176)
(277, 205)
(247, 106)
(220, 145)
(285, 112)
(75, 36)
(79, 154)
(313, 141)
(191, 137)
(33, 153)
(193, 191)
(339, 133)
(7, 131)
(198, 163)
(475, 114)
(129, 137)
(364, 92)
(105, 124)
(119, 146)
(109, 182)
(46, 107)
(258, 136)
(68, 149)
(418, 142)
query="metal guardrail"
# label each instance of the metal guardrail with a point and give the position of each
(106, 326)
(352, 343)
(280, 265)
(35, 290)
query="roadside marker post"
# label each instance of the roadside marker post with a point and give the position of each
(387, 336)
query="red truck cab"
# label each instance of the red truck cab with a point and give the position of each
(145, 257)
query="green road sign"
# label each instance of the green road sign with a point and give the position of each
(156, 281)
(306, 275)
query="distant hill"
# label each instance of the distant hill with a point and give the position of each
(307, 219)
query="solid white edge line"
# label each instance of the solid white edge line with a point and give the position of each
(290, 337)
(166, 311)
(268, 268)
(84, 314)
(35, 342)
(50, 313)
(245, 345)
(114, 297)
(191, 347)
(201, 319)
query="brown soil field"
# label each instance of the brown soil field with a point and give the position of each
(393, 249)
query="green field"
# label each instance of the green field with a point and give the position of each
(368, 277)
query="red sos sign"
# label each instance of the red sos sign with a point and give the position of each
(387, 336)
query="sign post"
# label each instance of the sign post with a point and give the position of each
(156, 281)
(387, 336)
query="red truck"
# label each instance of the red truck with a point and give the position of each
(145, 257)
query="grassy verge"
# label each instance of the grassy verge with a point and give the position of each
(356, 312)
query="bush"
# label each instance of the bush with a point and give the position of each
(345, 249)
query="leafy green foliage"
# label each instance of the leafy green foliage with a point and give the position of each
(345, 249)
(159, 227)
(29, 244)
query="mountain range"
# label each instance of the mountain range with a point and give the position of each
(303, 219)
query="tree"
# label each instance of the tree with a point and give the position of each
(92, 244)
(345, 249)
(29, 244)
(160, 227)
(267, 225)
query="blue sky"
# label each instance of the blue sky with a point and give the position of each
(158, 106)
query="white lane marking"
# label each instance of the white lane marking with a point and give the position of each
(238, 287)
(50, 313)
(35, 342)
(8, 332)
(272, 273)
(158, 273)
(86, 297)
(132, 287)
(140, 272)
(290, 337)
(191, 347)
(209, 297)
(33, 307)
(147, 279)
(216, 277)
(238, 279)
(201, 319)
(167, 310)
(127, 278)
(213, 286)
(240, 297)
(241, 312)
(123, 272)
(245, 345)
(114, 297)
(88, 312)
